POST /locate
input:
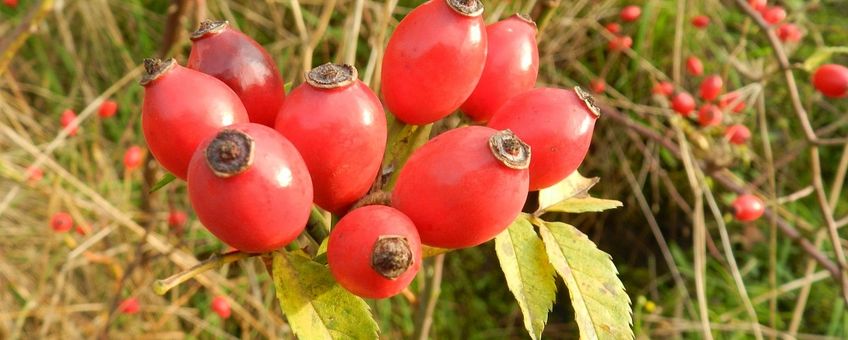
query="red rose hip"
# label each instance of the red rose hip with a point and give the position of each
(630, 13)
(221, 306)
(338, 125)
(512, 65)
(711, 87)
(107, 109)
(789, 33)
(683, 104)
(732, 98)
(701, 21)
(133, 157)
(709, 115)
(737, 134)
(465, 186)
(774, 15)
(434, 60)
(61, 222)
(747, 208)
(249, 186)
(239, 61)
(374, 251)
(129, 306)
(613, 27)
(67, 117)
(181, 108)
(558, 126)
(663, 88)
(831, 80)
(694, 66)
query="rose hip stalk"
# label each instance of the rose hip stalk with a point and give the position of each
(465, 186)
(374, 251)
(338, 125)
(512, 65)
(558, 126)
(181, 108)
(434, 60)
(236, 59)
(249, 186)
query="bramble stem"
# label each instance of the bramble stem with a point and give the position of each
(216, 261)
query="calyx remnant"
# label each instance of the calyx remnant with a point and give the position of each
(510, 150)
(230, 153)
(391, 256)
(329, 76)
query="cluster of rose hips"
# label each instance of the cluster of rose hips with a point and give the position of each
(256, 160)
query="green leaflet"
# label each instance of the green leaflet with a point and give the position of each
(528, 274)
(581, 205)
(575, 185)
(168, 178)
(315, 306)
(601, 307)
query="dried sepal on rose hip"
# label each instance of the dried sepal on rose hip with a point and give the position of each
(464, 186)
(374, 251)
(338, 125)
(181, 108)
(512, 66)
(249, 186)
(243, 64)
(557, 124)
(434, 60)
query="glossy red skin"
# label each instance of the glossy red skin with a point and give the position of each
(558, 127)
(350, 247)
(129, 306)
(512, 66)
(182, 108)
(433, 61)
(456, 192)
(620, 43)
(737, 134)
(630, 13)
(221, 306)
(341, 134)
(61, 222)
(774, 15)
(613, 27)
(133, 157)
(694, 66)
(107, 109)
(261, 209)
(683, 103)
(65, 120)
(11, 3)
(664, 88)
(789, 33)
(598, 86)
(709, 115)
(177, 219)
(246, 67)
(701, 21)
(747, 208)
(831, 80)
(711, 87)
(728, 99)
(758, 5)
